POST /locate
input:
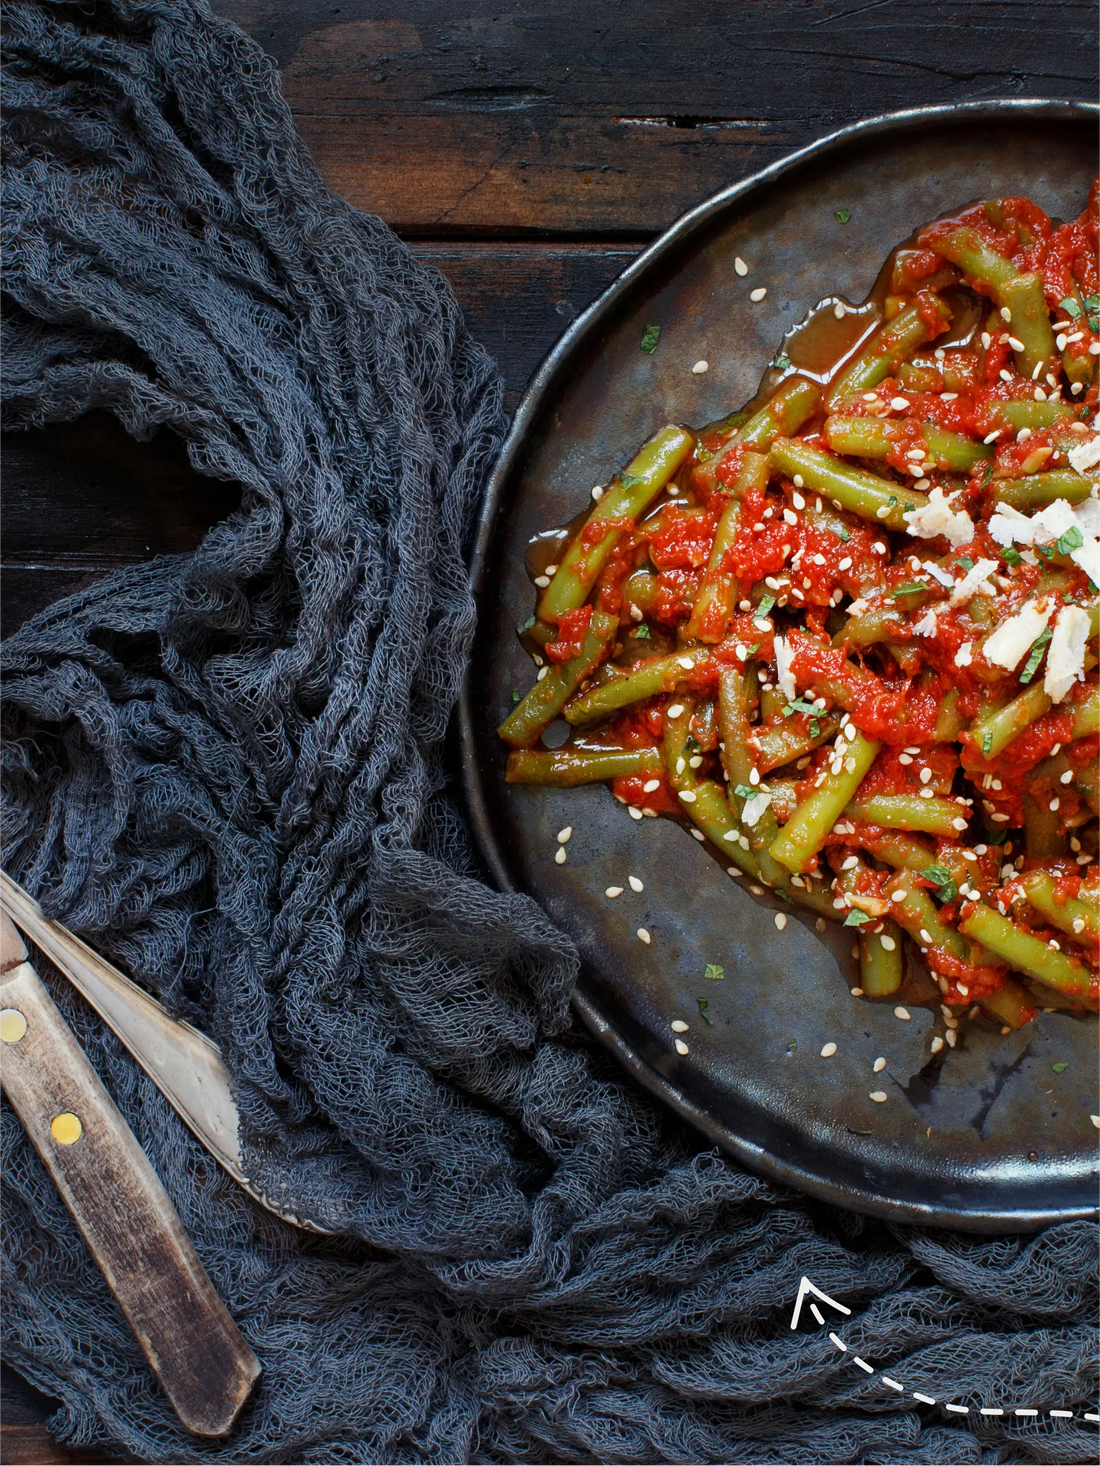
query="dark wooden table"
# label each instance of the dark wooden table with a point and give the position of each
(529, 151)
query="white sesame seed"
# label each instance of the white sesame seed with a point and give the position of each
(1067, 777)
(700, 367)
(1078, 924)
(888, 944)
(675, 710)
(635, 884)
(1006, 314)
(650, 786)
(542, 672)
(697, 835)
(828, 1050)
(686, 662)
(740, 267)
(564, 836)
(643, 936)
(851, 863)
(688, 796)
(634, 812)
(960, 824)
(905, 758)
(846, 563)
(542, 581)
(936, 1044)
(798, 481)
(1015, 343)
(559, 855)
(952, 1038)
(899, 404)
(870, 396)
(1023, 435)
(879, 1065)
(992, 437)
(613, 891)
(681, 1047)
(925, 776)
(903, 1013)
(856, 992)
(754, 777)
(882, 513)
(678, 1026)
(1095, 1120)
(597, 493)
(790, 516)
(1053, 805)
(879, 548)
(780, 920)
(757, 295)
(927, 793)
(878, 1096)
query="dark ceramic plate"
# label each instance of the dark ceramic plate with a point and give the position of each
(989, 1136)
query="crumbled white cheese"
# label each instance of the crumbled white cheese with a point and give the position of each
(937, 517)
(1008, 526)
(926, 626)
(784, 656)
(1087, 558)
(1087, 514)
(964, 656)
(755, 807)
(938, 572)
(858, 607)
(974, 582)
(1066, 652)
(1011, 641)
(1054, 520)
(1085, 456)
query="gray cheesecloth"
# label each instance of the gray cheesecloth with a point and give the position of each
(228, 772)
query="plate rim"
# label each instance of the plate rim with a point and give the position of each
(541, 384)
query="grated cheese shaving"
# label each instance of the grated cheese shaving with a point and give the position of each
(964, 656)
(1085, 456)
(1066, 652)
(755, 807)
(784, 656)
(973, 582)
(1012, 640)
(937, 517)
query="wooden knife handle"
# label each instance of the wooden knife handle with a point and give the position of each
(202, 1361)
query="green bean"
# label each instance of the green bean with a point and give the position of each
(640, 589)
(1011, 1005)
(809, 827)
(735, 724)
(853, 489)
(715, 602)
(656, 675)
(966, 248)
(565, 767)
(547, 698)
(1086, 716)
(1066, 913)
(917, 913)
(950, 722)
(886, 350)
(642, 480)
(995, 730)
(1087, 781)
(710, 811)
(871, 437)
(1024, 413)
(934, 816)
(876, 625)
(792, 738)
(1039, 490)
(1043, 833)
(793, 403)
(901, 850)
(1026, 303)
(880, 960)
(1026, 952)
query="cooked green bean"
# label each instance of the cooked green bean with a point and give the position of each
(714, 604)
(902, 850)
(640, 483)
(1010, 1004)
(887, 348)
(796, 400)
(854, 489)
(1020, 294)
(657, 675)
(994, 731)
(565, 767)
(871, 437)
(791, 739)
(917, 913)
(934, 816)
(1069, 915)
(1026, 952)
(880, 960)
(809, 827)
(547, 698)
(1042, 829)
(1026, 413)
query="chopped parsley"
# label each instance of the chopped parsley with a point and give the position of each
(1071, 308)
(988, 474)
(1035, 656)
(765, 606)
(910, 589)
(1073, 539)
(650, 336)
(842, 215)
(1060, 1067)
(941, 878)
(703, 1014)
(516, 694)
(842, 534)
(813, 712)
(628, 480)
(987, 742)
(781, 361)
(792, 1046)
(1011, 555)
(1046, 552)
(642, 632)
(745, 791)
(526, 625)
(856, 917)
(965, 563)
(714, 971)
(752, 650)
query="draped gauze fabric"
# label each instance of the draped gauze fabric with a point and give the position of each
(228, 772)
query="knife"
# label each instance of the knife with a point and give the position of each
(185, 1065)
(204, 1365)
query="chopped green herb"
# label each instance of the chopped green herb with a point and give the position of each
(516, 694)
(650, 336)
(745, 791)
(753, 650)
(842, 215)
(987, 742)
(842, 534)
(714, 971)
(765, 606)
(911, 588)
(628, 480)
(703, 1014)
(1073, 539)
(781, 361)
(642, 632)
(988, 474)
(1046, 552)
(1035, 656)
(800, 705)
(1011, 555)
(1094, 324)
(1071, 308)
(856, 917)
(1092, 303)
(892, 501)
(526, 625)
(940, 876)
(792, 1046)
(965, 563)
(1060, 1067)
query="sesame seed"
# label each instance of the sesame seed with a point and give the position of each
(757, 295)
(1067, 777)
(828, 1050)
(905, 758)
(799, 482)
(856, 992)
(879, 1065)
(564, 836)
(634, 812)
(635, 884)
(903, 1013)
(559, 855)
(927, 793)
(688, 796)
(992, 437)
(697, 835)
(952, 1038)
(879, 548)
(1023, 435)
(960, 824)
(846, 563)
(651, 786)
(1095, 1120)
(870, 396)
(878, 1096)
(839, 311)
(643, 936)
(681, 1047)
(700, 367)
(597, 493)
(1006, 314)
(1061, 341)
(613, 891)
(790, 516)
(675, 710)
(757, 890)
(1053, 805)
(1078, 924)
(542, 581)
(888, 943)
(936, 1044)
(899, 404)
(780, 920)
(542, 672)
(1015, 343)
(740, 267)
(685, 662)
(678, 1026)
(882, 513)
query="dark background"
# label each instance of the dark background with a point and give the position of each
(529, 151)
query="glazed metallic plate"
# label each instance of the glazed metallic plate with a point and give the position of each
(994, 1135)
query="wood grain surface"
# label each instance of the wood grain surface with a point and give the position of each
(528, 150)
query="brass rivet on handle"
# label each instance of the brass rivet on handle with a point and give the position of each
(12, 1025)
(66, 1128)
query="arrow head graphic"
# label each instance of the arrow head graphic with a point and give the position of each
(804, 1287)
